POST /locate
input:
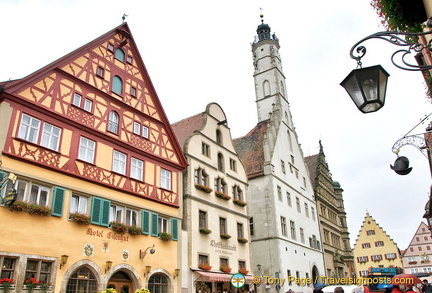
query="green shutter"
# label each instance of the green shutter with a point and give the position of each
(174, 228)
(106, 204)
(57, 203)
(145, 222)
(154, 225)
(100, 211)
(96, 210)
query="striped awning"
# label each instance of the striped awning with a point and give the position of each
(220, 277)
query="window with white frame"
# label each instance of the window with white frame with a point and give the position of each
(162, 225)
(306, 207)
(145, 131)
(136, 128)
(362, 259)
(379, 243)
(50, 136)
(78, 204)
(29, 128)
(116, 213)
(302, 236)
(364, 273)
(131, 217)
(113, 122)
(222, 226)
(86, 150)
(165, 180)
(279, 192)
(119, 162)
(313, 213)
(390, 255)
(376, 257)
(233, 165)
(136, 169)
(39, 194)
(77, 98)
(88, 105)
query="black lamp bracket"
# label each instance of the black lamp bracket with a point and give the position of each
(402, 39)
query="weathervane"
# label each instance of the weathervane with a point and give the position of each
(124, 17)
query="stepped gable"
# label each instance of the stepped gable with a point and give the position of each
(369, 217)
(250, 150)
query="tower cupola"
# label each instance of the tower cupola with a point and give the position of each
(264, 32)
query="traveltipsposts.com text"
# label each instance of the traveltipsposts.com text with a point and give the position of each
(327, 281)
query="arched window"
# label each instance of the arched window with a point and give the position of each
(220, 185)
(218, 137)
(220, 161)
(237, 193)
(119, 55)
(266, 88)
(82, 280)
(201, 177)
(113, 122)
(158, 283)
(117, 85)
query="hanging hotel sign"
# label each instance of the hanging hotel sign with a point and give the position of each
(8, 181)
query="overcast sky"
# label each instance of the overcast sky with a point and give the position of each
(198, 52)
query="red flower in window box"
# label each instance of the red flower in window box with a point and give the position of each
(205, 266)
(225, 269)
(243, 271)
(222, 195)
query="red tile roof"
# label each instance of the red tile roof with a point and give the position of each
(250, 150)
(186, 127)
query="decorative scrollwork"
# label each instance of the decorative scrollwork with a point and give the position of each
(398, 39)
(415, 140)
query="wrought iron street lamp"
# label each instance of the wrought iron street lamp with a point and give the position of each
(367, 86)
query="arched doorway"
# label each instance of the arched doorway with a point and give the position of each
(158, 283)
(315, 273)
(121, 282)
(82, 281)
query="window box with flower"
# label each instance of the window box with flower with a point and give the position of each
(120, 228)
(134, 230)
(239, 202)
(242, 240)
(204, 188)
(79, 218)
(142, 290)
(205, 266)
(109, 290)
(225, 236)
(222, 195)
(39, 210)
(165, 236)
(225, 268)
(205, 231)
(31, 284)
(243, 271)
(7, 285)
(19, 206)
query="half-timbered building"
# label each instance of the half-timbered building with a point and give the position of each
(88, 149)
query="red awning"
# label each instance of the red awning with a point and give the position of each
(220, 277)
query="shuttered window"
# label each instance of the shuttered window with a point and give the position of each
(100, 211)
(58, 200)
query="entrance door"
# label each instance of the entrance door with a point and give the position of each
(120, 286)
